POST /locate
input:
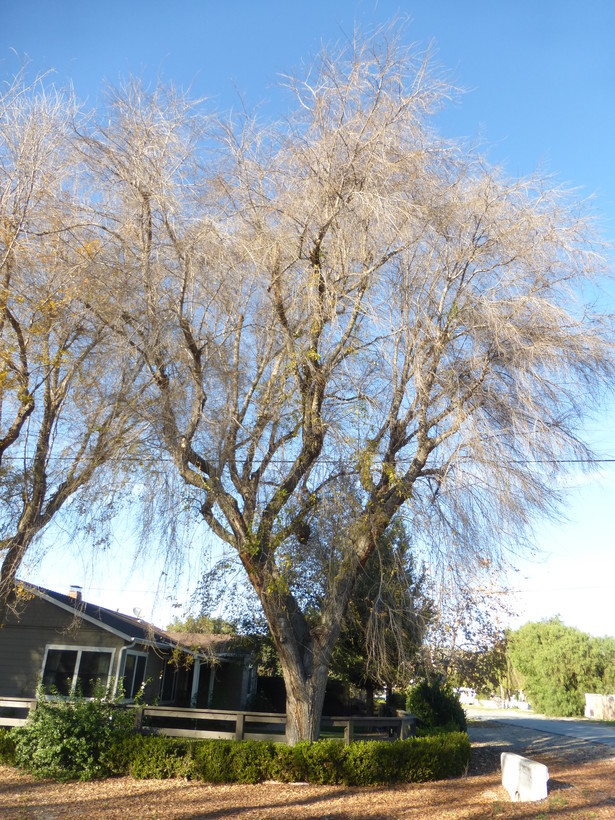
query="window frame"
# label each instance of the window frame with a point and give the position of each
(169, 668)
(79, 649)
(138, 654)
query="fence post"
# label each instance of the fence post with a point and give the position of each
(239, 727)
(349, 731)
(408, 727)
(138, 718)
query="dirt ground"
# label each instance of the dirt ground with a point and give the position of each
(582, 785)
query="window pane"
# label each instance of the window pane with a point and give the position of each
(139, 674)
(167, 687)
(93, 671)
(134, 673)
(59, 670)
(129, 673)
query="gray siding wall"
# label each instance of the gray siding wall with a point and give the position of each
(23, 641)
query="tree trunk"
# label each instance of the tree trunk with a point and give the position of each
(304, 700)
(369, 698)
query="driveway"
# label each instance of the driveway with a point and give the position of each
(553, 741)
(581, 729)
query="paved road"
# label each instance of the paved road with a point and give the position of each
(576, 728)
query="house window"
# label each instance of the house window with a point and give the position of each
(134, 674)
(168, 682)
(82, 669)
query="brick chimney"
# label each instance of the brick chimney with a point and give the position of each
(75, 593)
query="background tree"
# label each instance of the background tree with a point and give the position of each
(380, 645)
(203, 624)
(559, 664)
(466, 644)
(483, 670)
(62, 411)
(344, 295)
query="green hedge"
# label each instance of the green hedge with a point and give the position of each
(46, 753)
(324, 762)
(150, 756)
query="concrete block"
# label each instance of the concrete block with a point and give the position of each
(523, 779)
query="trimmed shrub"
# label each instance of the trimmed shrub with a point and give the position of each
(69, 739)
(213, 761)
(289, 763)
(376, 763)
(331, 762)
(252, 760)
(324, 762)
(436, 706)
(7, 747)
(151, 756)
(229, 761)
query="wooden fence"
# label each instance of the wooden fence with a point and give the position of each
(216, 723)
(14, 711)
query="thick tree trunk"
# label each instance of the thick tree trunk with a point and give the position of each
(304, 700)
(305, 650)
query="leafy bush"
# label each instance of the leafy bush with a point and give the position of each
(150, 756)
(324, 762)
(252, 760)
(69, 739)
(7, 747)
(289, 763)
(436, 706)
(229, 761)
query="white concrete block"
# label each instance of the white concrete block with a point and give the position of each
(523, 779)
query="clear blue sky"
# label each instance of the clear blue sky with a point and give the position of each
(539, 80)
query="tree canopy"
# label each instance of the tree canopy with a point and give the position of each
(63, 393)
(345, 309)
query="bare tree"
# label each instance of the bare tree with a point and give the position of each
(62, 412)
(345, 296)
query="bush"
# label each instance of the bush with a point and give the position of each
(405, 761)
(230, 761)
(150, 756)
(289, 763)
(252, 760)
(324, 762)
(70, 739)
(436, 706)
(7, 747)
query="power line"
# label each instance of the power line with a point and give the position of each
(321, 460)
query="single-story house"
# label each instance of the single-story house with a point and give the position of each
(69, 644)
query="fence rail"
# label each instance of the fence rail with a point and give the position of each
(17, 709)
(231, 725)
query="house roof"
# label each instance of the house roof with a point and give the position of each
(130, 628)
